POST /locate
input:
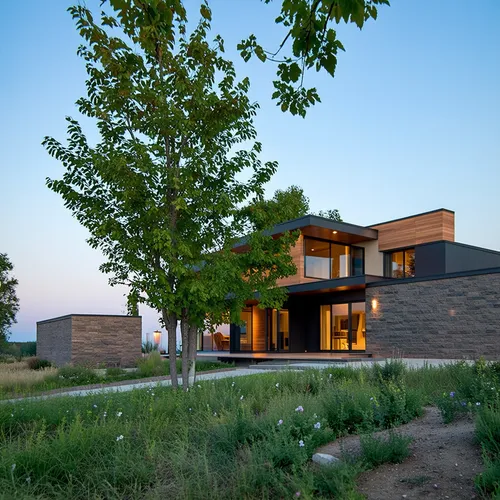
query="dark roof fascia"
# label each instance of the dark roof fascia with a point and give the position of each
(323, 222)
(69, 316)
(351, 281)
(412, 216)
(461, 274)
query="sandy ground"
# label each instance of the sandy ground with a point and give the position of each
(443, 463)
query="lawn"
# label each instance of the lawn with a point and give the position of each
(248, 437)
(17, 379)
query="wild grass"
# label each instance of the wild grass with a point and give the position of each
(378, 450)
(17, 379)
(248, 437)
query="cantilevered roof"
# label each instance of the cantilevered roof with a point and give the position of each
(321, 227)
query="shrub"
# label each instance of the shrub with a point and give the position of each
(38, 364)
(148, 347)
(488, 431)
(337, 481)
(378, 451)
(393, 370)
(78, 375)
(152, 365)
(7, 358)
(488, 482)
(115, 372)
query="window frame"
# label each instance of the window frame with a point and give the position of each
(351, 267)
(388, 263)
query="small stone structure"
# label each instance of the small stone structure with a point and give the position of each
(455, 316)
(90, 339)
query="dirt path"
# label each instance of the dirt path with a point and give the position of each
(443, 463)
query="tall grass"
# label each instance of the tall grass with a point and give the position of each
(251, 437)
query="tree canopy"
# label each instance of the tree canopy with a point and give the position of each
(9, 303)
(310, 42)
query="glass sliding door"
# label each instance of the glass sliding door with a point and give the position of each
(278, 330)
(340, 327)
(358, 326)
(343, 327)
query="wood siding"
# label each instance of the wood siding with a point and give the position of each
(297, 253)
(259, 329)
(433, 226)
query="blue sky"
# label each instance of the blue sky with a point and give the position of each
(409, 124)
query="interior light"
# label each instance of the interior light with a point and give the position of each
(312, 249)
(334, 232)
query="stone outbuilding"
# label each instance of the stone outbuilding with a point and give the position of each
(93, 339)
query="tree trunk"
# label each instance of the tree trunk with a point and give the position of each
(170, 321)
(192, 333)
(185, 351)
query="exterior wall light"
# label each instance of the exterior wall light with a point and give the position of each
(374, 304)
(334, 232)
(157, 337)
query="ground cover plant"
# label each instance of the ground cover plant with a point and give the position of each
(476, 393)
(32, 376)
(251, 437)
(248, 437)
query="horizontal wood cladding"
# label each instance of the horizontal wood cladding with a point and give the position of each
(425, 228)
(297, 253)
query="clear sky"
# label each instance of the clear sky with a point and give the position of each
(410, 123)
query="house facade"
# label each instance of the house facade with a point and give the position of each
(403, 285)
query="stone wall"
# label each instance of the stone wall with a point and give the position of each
(109, 340)
(452, 317)
(90, 339)
(53, 340)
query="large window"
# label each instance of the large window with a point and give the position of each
(327, 260)
(400, 264)
(343, 327)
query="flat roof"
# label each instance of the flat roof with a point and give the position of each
(412, 216)
(357, 233)
(67, 316)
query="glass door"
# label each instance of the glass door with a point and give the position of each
(278, 331)
(343, 327)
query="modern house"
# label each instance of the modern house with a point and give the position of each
(403, 285)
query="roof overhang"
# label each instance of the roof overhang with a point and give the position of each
(321, 227)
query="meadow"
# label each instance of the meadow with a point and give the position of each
(32, 376)
(247, 437)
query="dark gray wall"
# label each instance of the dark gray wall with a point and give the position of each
(430, 259)
(461, 257)
(444, 257)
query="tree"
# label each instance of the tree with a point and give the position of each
(285, 205)
(309, 42)
(9, 303)
(161, 192)
(330, 214)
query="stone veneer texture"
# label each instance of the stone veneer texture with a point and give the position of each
(94, 340)
(444, 318)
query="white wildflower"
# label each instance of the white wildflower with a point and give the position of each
(299, 409)
(301, 443)
(317, 425)
(120, 437)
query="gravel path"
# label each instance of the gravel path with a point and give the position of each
(443, 463)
